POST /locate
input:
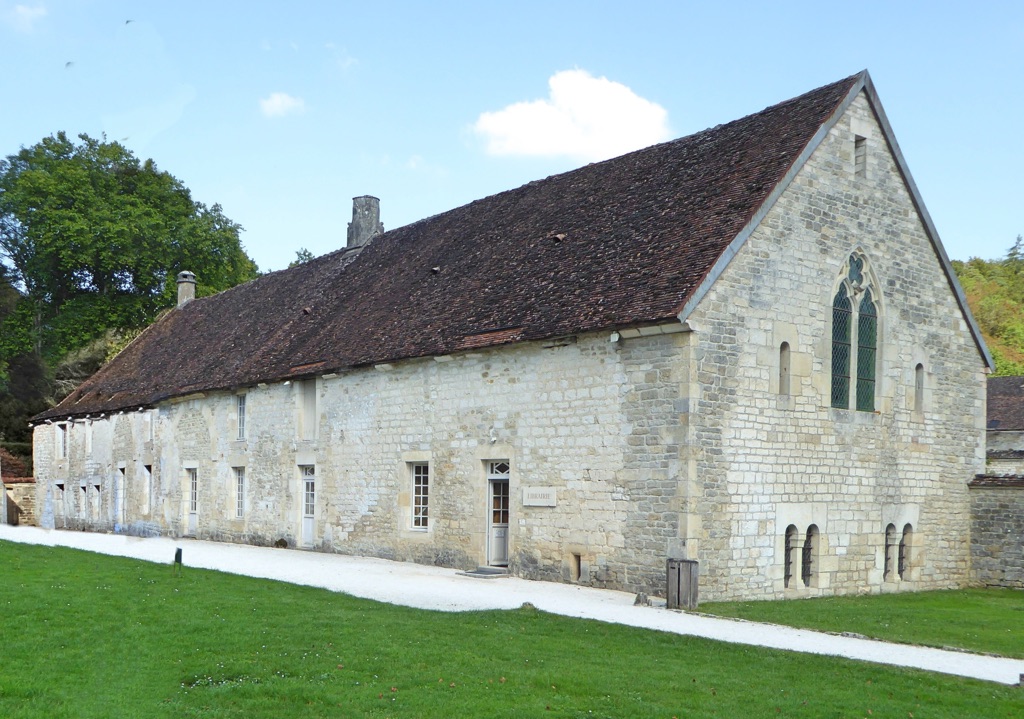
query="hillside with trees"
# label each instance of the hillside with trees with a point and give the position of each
(91, 241)
(995, 293)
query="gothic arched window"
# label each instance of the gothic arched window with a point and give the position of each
(854, 340)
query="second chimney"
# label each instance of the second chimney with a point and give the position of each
(365, 224)
(186, 287)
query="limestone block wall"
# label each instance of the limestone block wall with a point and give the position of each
(767, 458)
(19, 501)
(593, 420)
(997, 531)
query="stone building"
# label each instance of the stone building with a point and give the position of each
(17, 491)
(744, 347)
(997, 496)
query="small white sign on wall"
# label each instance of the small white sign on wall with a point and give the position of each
(538, 496)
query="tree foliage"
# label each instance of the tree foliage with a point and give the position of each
(91, 241)
(302, 255)
(995, 294)
(95, 239)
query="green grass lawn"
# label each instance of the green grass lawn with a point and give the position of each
(85, 635)
(978, 620)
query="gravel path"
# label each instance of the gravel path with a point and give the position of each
(443, 589)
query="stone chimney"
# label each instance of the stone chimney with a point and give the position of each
(186, 287)
(365, 224)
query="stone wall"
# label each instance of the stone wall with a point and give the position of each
(767, 459)
(594, 420)
(20, 504)
(997, 531)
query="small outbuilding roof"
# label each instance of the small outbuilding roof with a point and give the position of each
(1006, 403)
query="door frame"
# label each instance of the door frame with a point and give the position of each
(494, 477)
(307, 476)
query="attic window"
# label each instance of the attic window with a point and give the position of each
(860, 156)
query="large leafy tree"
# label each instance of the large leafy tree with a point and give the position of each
(91, 241)
(94, 239)
(995, 293)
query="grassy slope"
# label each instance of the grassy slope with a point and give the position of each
(91, 636)
(980, 620)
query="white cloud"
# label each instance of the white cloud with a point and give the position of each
(22, 17)
(586, 117)
(279, 104)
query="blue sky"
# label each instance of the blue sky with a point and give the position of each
(282, 112)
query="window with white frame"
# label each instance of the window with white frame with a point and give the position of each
(193, 489)
(308, 472)
(239, 491)
(420, 494)
(240, 414)
(62, 441)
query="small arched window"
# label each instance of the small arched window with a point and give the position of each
(792, 545)
(890, 551)
(784, 368)
(808, 562)
(919, 388)
(906, 542)
(854, 339)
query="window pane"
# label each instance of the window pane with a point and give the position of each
(867, 340)
(841, 326)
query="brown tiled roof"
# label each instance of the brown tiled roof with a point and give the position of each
(613, 244)
(1006, 403)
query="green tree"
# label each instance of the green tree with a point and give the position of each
(95, 239)
(995, 294)
(302, 255)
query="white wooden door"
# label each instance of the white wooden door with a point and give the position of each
(498, 514)
(193, 500)
(308, 504)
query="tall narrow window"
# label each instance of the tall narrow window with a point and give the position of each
(147, 483)
(919, 388)
(854, 340)
(860, 156)
(152, 424)
(420, 495)
(841, 355)
(809, 555)
(88, 437)
(240, 414)
(792, 546)
(904, 551)
(308, 400)
(193, 490)
(890, 551)
(239, 491)
(62, 441)
(784, 368)
(867, 342)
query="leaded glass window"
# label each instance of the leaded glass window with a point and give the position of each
(841, 342)
(867, 342)
(854, 339)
